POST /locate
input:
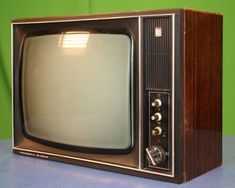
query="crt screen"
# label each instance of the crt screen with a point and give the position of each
(76, 89)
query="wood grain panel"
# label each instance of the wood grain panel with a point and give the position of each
(202, 93)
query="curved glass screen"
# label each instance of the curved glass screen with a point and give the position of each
(76, 89)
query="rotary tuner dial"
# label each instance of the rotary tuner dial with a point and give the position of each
(155, 155)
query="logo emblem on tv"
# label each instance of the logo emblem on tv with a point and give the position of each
(158, 32)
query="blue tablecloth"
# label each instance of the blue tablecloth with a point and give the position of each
(20, 171)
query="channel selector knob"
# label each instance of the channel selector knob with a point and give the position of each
(155, 155)
(156, 117)
(156, 103)
(157, 131)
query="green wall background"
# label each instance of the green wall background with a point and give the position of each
(12, 9)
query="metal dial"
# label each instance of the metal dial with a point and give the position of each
(157, 131)
(155, 155)
(156, 117)
(156, 103)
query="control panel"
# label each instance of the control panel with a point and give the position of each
(158, 149)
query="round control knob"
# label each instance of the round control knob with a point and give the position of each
(157, 131)
(156, 103)
(156, 155)
(156, 117)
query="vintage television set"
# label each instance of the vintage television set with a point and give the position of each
(138, 93)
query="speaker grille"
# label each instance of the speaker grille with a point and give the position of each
(157, 52)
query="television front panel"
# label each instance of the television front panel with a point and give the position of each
(137, 93)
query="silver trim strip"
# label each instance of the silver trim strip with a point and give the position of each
(140, 17)
(12, 88)
(90, 161)
(173, 95)
(140, 110)
(90, 19)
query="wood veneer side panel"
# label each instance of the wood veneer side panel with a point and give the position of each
(202, 93)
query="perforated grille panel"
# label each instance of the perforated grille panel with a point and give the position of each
(157, 52)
